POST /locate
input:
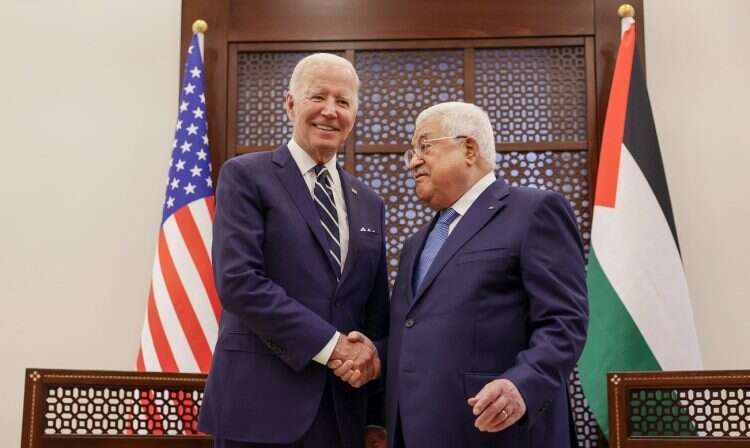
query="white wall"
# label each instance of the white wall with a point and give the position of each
(89, 91)
(698, 67)
(88, 97)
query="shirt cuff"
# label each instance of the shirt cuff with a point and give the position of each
(324, 355)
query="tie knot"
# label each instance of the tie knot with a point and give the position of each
(320, 170)
(447, 216)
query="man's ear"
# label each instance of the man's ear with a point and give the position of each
(290, 106)
(471, 151)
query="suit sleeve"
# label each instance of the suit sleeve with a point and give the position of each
(294, 332)
(554, 278)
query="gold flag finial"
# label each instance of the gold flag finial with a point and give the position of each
(626, 10)
(200, 26)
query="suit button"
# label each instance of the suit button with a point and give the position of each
(409, 323)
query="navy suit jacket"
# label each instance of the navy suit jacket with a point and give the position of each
(282, 303)
(504, 298)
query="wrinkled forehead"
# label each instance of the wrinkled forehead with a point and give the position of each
(428, 128)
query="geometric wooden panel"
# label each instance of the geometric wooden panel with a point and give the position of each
(704, 412)
(658, 412)
(586, 428)
(106, 410)
(398, 85)
(76, 408)
(533, 94)
(262, 81)
(563, 171)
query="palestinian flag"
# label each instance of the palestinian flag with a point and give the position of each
(640, 312)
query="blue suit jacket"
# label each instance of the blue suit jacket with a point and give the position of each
(504, 298)
(282, 303)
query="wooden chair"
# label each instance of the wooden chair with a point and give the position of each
(78, 408)
(679, 409)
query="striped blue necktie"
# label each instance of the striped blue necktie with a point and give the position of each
(326, 206)
(435, 241)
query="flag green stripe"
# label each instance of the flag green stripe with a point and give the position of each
(613, 343)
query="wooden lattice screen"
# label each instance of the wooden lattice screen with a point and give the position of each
(679, 409)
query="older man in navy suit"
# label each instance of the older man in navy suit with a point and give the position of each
(489, 311)
(300, 267)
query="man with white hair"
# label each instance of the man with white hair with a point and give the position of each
(300, 268)
(488, 314)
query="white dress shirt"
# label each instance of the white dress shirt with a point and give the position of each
(461, 206)
(306, 166)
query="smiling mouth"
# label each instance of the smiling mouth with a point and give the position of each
(323, 127)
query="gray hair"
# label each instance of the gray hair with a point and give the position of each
(458, 118)
(299, 80)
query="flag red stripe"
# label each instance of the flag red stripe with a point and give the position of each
(159, 337)
(211, 204)
(199, 253)
(614, 126)
(183, 309)
(140, 365)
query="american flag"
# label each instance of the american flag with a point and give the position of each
(181, 325)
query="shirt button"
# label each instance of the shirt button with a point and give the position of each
(409, 323)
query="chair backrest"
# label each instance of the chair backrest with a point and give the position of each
(679, 409)
(78, 408)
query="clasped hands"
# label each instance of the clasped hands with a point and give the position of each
(355, 359)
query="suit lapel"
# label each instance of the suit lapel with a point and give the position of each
(487, 205)
(354, 220)
(292, 180)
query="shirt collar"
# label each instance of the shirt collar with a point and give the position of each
(305, 163)
(461, 206)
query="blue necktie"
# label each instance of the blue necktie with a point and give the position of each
(326, 206)
(435, 241)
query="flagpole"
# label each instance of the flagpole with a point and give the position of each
(200, 27)
(626, 12)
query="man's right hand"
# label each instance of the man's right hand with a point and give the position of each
(355, 359)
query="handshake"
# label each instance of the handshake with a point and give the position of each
(355, 359)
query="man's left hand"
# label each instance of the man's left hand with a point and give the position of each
(498, 405)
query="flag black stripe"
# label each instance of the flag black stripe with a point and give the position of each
(642, 142)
